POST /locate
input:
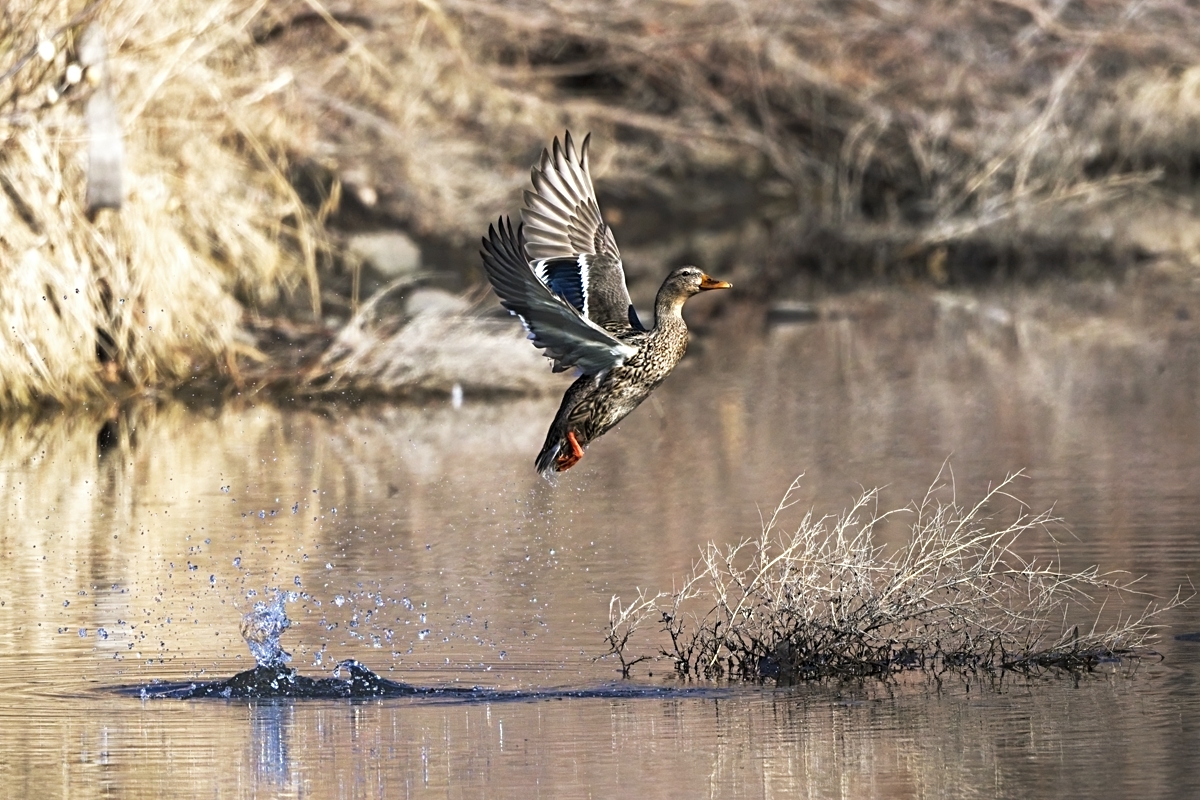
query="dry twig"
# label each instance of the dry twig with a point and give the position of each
(828, 600)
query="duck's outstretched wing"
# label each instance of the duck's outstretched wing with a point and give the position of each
(570, 248)
(569, 338)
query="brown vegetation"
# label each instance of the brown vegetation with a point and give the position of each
(948, 140)
(144, 295)
(437, 344)
(952, 140)
(831, 601)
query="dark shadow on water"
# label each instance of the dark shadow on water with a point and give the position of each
(353, 681)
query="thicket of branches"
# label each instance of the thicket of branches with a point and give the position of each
(953, 138)
(830, 601)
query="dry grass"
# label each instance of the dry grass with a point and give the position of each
(949, 140)
(143, 296)
(830, 601)
(436, 345)
(938, 134)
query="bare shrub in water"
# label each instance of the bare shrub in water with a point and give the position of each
(623, 622)
(143, 295)
(829, 600)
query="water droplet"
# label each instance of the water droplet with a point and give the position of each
(339, 601)
(422, 634)
(237, 562)
(102, 633)
(83, 633)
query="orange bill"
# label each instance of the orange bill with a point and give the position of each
(708, 282)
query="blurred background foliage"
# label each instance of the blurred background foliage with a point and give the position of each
(792, 147)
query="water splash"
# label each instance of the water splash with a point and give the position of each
(262, 627)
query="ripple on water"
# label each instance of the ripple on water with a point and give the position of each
(439, 514)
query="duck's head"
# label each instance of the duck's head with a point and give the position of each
(687, 281)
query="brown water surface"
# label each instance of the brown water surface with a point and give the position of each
(426, 548)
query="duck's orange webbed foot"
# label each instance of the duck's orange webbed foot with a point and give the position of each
(570, 458)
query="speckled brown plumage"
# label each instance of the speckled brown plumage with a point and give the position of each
(595, 403)
(566, 283)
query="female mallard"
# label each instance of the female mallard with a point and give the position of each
(561, 274)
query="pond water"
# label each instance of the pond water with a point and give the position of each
(424, 546)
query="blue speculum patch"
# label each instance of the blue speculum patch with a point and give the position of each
(564, 276)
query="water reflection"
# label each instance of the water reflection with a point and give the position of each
(455, 563)
(271, 726)
(1106, 735)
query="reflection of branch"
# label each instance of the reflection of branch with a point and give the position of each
(270, 727)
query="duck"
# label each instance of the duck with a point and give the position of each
(560, 272)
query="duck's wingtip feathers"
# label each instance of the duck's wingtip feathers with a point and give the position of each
(546, 462)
